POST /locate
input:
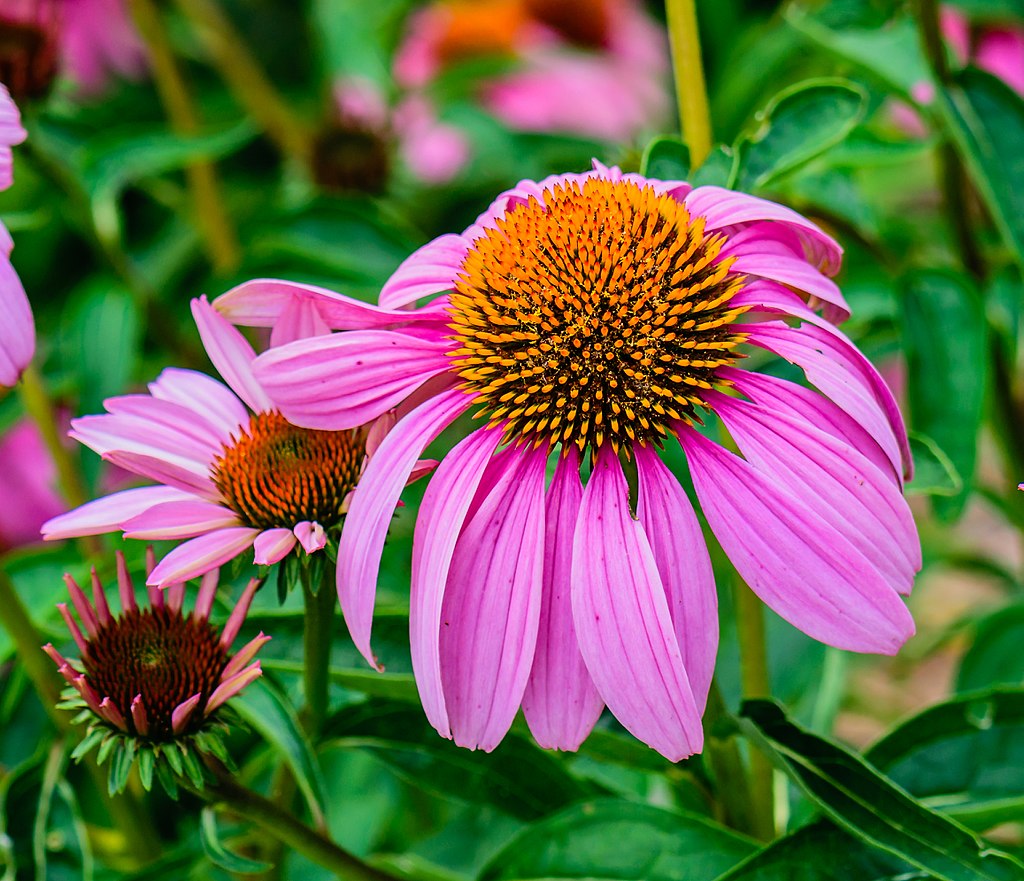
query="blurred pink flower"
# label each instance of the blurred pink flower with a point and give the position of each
(17, 329)
(595, 318)
(597, 68)
(28, 486)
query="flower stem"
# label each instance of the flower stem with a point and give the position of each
(723, 755)
(316, 639)
(220, 238)
(955, 183)
(688, 71)
(247, 79)
(754, 682)
(127, 812)
(282, 825)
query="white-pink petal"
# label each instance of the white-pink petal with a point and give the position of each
(429, 270)
(272, 546)
(108, 513)
(211, 400)
(230, 353)
(311, 536)
(200, 555)
(175, 520)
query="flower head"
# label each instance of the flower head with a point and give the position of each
(594, 318)
(154, 675)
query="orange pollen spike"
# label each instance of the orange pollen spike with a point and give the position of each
(608, 295)
(276, 474)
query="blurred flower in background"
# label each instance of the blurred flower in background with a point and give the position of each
(17, 329)
(28, 491)
(91, 42)
(597, 68)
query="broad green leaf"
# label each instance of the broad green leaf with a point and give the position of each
(799, 124)
(964, 757)
(870, 806)
(986, 119)
(934, 473)
(945, 342)
(619, 840)
(518, 777)
(219, 854)
(720, 169)
(994, 657)
(821, 852)
(666, 159)
(269, 714)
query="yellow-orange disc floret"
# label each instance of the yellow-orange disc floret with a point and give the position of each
(276, 474)
(596, 316)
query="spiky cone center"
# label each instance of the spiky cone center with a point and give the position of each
(275, 474)
(596, 316)
(162, 655)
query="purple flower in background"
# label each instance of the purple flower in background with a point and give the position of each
(590, 320)
(28, 488)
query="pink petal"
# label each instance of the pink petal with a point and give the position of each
(427, 271)
(174, 520)
(17, 330)
(181, 714)
(229, 688)
(212, 400)
(623, 623)
(491, 605)
(802, 568)
(186, 479)
(373, 505)
(442, 514)
(681, 555)
(561, 703)
(107, 514)
(173, 418)
(260, 302)
(106, 433)
(311, 536)
(200, 555)
(299, 320)
(348, 379)
(237, 617)
(272, 546)
(231, 354)
(724, 208)
(839, 484)
(244, 655)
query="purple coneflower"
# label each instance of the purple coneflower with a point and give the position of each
(154, 675)
(600, 316)
(17, 331)
(234, 473)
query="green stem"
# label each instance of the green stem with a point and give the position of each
(954, 179)
(211, 215)
(282, 825)
(688, 70)
(128, 813)
(318, 630)
(726, 763)
(755, 683)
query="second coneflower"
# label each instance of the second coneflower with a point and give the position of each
(594, 318)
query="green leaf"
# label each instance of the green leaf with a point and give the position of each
(870, 806)
(518, 777)
(720, 169)
(986, 119)
(799, 124)
(218, 854)
(964, 757)
(810, 854)
(994, 657)
(619, 840)
(666, 159)
(121, 765)
(267, 712)
(934, 473)
(946, 345)
(147, 760)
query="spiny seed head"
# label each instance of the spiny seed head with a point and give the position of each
(597, 315)
(162, 655)
(276, 474)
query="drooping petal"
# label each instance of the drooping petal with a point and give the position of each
(187, 479)
(106, 433)
(807, 572)
(491, 605)
(299, 320)
(429, 270)
(272, 546)
(311, 536)
(175, 520)
(203, 394)
(681, 555)
(561, 703)
(200, 555)
(373, 505)
(17, 330)
(108, 513)
(623, 623)
(231, 354)
(177, 419)
(348, 379)
(842, 487)
(445, 505)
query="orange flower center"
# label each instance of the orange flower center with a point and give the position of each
(276, 474)
(598, 315)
